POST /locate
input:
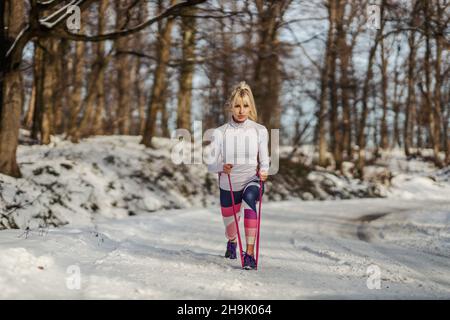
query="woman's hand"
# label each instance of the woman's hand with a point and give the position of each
(263, 175)
(227, 168)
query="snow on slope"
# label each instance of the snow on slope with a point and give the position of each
(415, 178)
(112, 176)
(117, 177)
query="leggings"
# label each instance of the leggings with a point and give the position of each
(249, 196)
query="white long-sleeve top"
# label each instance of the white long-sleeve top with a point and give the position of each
(239, 143)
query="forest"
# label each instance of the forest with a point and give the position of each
(354, 95)
(350, 78)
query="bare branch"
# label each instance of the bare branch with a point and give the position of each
(174, 10)
(46, 5)
(66, 13)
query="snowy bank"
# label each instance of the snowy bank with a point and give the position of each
(116, 176)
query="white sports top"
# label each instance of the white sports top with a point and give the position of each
(239, 143)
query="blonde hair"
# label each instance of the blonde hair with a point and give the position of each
(242, 91)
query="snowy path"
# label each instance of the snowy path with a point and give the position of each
(310, 250)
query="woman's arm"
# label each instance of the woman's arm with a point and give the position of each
(215, 160)
(263, 150)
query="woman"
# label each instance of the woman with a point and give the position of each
(241, 150)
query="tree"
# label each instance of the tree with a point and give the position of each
(12, 19)
(365, 96)
(17, 28)
(267, 75)
(158, 95)
(188, 27)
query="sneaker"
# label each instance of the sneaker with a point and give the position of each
(231, 250)
(249, 262)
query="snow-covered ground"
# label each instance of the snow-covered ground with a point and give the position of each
(122, 239)
(309, 250)
(416, 179)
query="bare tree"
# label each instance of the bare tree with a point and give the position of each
(188, 27)
(158, 98)
(17, 28)
(267, 76)
(12, 19)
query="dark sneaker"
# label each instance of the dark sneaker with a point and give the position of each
(231, 250)
(249, 262)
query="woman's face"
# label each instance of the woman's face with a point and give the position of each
(241, 109)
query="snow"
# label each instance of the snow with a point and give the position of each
(415, 179)
(309, 250)
(114, 176)
(130, 229)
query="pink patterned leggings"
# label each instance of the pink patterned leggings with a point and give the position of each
(249, 197)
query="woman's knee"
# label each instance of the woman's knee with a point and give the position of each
(251, 195)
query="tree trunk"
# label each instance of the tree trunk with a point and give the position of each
(187, 70)
(267, 69)
(226, 75)
(411, 98)
(336, 15)
(12, 14)
(396, 103)
(39, 65)
(94, 102)
(77, 73)
(63, 97)
(157, 98)
(433, 120)
(141, 98)
(321, 121)
(439, 107)
(49, 87)
(28, 123)
(365, 96)
(344, 83)
(122, 64)
(384, 139)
